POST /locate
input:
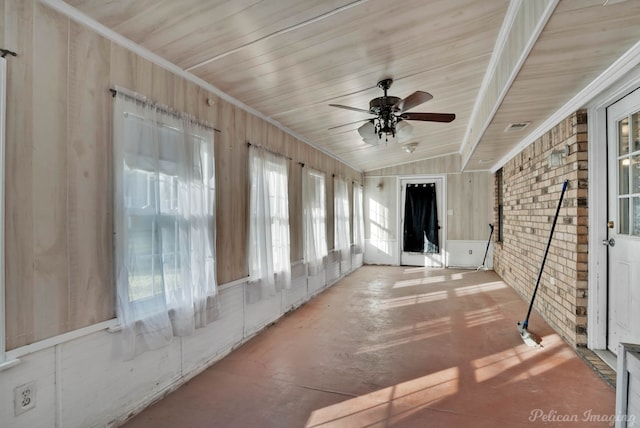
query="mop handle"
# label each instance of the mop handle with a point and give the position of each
(546, 251)
(488, 244)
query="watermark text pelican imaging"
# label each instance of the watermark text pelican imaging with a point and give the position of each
(553, 415)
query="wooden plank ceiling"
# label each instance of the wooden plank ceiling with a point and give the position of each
(289, 59)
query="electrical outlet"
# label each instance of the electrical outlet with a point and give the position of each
(470, 251)
(24, 398)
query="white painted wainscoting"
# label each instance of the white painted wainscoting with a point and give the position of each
(468, 254)
(459, 253)
(81, 382)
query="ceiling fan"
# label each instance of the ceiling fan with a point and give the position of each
(391, 112)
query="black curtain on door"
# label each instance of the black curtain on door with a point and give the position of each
(421, 219)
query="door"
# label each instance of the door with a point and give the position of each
(421, 240)
(623, 288)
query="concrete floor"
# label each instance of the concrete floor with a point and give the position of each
(396, 346)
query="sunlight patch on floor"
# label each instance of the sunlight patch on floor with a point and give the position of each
(413, 299)
(482, 316)
(525, 362)
(420, 281)
(429, 329)
(479, 288)
(393, 402)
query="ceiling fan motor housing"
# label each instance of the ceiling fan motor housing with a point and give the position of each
(386, 104)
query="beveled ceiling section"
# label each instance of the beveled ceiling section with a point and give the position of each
(579, 42)
(289, 59)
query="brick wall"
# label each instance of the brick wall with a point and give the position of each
(531, 190)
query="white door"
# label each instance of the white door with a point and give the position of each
(623, 128)
(432, 252)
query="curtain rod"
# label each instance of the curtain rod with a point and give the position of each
(267, 150)
(164, 109)
(5, 52)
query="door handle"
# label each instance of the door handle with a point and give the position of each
(609, 242)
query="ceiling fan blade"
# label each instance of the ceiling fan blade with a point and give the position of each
(350, 108)
(413, 100)
(350, 123)
(429, 117)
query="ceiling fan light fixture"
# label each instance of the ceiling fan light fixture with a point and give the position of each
(375, 132)
(368, 133)
(404, 130)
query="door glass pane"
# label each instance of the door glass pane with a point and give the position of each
(635, 119)
(623, 176)
(623, 216)
(635, 174)
(635, 228)
(623, 136)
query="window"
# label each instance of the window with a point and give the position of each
(341, 229)
(269, 252)
(314, 219)
(164, 223)
(629, 175)
(500, 198)
(358, 219)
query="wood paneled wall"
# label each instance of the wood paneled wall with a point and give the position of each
(469, 194)
(470, 205)
(59, 209)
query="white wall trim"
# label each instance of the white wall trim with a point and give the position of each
(61, 338)
(112, 325)
(533, 38)
(234, 283)
(612, 74)
(597, 277)
(76, 15)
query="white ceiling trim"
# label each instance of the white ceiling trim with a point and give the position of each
(76, 15)
(507, 24)
(526, 49)
(411, 161)
(611, 75)
(278, 33)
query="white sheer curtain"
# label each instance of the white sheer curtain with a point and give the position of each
(269, 246)
(314, 219)
(164, 224)
(358, 218)
(341, 227)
